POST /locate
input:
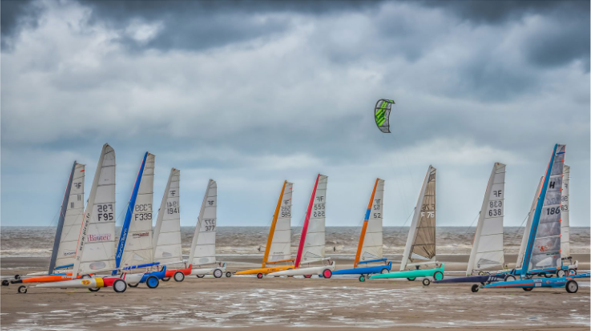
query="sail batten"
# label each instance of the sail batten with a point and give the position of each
(421, 242)
(487, 251)
(203, 246)
(167, 232)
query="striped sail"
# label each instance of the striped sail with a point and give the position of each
(279, 248)
(372, 241)
(138, 246)
(487, 251)
(203, 246)
(167, 232)
(421, 243)
(530, 215)
(565, 248)
(72, 218)
(96, 247)
(543, 248)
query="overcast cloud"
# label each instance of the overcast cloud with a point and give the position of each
(252, 93)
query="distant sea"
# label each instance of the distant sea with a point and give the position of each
(38, 241)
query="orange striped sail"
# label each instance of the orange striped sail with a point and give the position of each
(364, 225)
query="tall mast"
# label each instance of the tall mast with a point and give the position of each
(365, 224)
(58, 238)
(273, 227)
(297, 261)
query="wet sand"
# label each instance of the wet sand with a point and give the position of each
(281, 303)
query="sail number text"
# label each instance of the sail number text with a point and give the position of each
(105, 212)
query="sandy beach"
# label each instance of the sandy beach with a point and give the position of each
(282, 303)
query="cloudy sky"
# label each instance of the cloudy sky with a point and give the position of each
(252, 93)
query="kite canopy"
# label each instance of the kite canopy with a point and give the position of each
(382, 112)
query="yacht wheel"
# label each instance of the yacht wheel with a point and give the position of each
(411, 279)
(426, 282)
(5, 282)
(260, 276)
(508, 278)
(572, 286)
(133, 285)
(527, 289)
(228, 274)
(327, 273)
(384, 271)
(437, 275)
(217, 273)
(120, 286)
(17, 276)
(561, 273)
(361, 278)
(166, 279)
(23, 289)
(475, 288)
(178, 276)
(200, 276)
(152, 282)
(307, 276)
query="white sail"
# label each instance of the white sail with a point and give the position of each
(281, 240)
(73, 218)
(528, 225)
(314, 246)
(487, 251)
(372, 246)
(545, 249)
(421, 243)
(138, 248)
(203, 248)
(564, 214)
(96, 248)
(167, 232)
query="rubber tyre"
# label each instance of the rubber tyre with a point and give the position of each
(152, 282)
(5, 282)
(178, 276)
(426, 282)
(94, 289)
(384, 271)
(200, 276)
(560, 273)
(134, 285)
(228, 274)
(120, 286)
(509, 278)
(475, 288)
(362, 278)
(412, 279)
(17, 276)
(528, 276)
(572, 272)
(572, 286)
(307, 276)
(527, 289)
(87, 276)
(548, 275)
(438, 275)
(327, 273)
(217, 273)
(260, 276)
(166, 279)
(22, 289)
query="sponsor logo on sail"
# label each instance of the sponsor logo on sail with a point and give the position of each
(99, 237)
(140, 235)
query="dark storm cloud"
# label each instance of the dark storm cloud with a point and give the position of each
(16, 15)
